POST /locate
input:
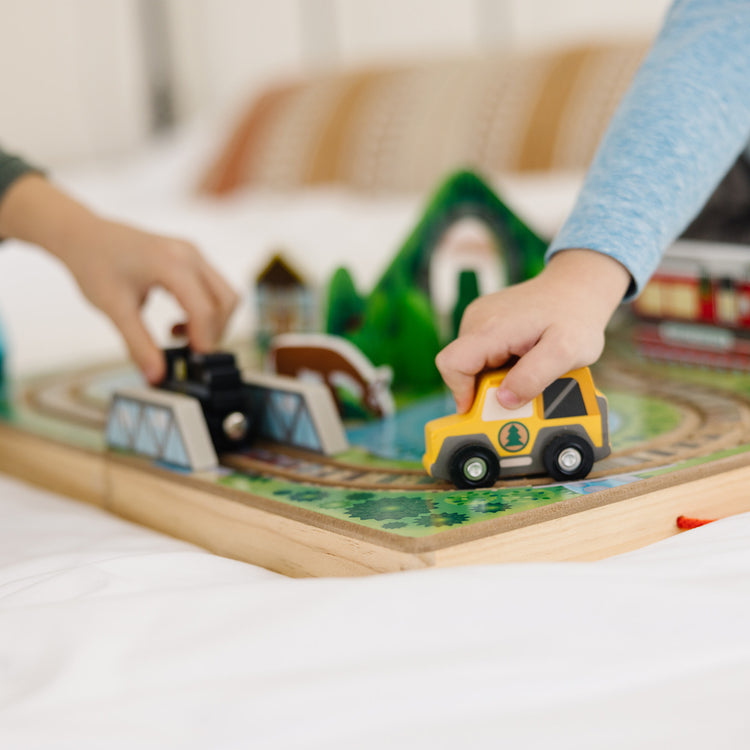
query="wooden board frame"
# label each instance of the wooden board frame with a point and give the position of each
(224, 521)
(299, 539)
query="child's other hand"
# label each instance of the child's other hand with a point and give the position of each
(116, 266)
(553, 323)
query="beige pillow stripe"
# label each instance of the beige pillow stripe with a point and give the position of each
(403, 129)
(327, 157)
(592, 101)
(233, 166)
(538, 149)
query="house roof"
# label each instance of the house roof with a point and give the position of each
(279, 273)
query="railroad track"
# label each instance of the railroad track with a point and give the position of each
(711, 420)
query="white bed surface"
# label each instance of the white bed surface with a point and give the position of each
(112, 636)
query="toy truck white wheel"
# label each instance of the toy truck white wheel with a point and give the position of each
(474, 466)
(568, 457)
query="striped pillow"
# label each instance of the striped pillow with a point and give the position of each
(404, 128)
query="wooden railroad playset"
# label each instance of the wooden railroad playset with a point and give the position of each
(681, 446)
(359, 501)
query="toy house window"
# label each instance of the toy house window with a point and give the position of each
(563, 399)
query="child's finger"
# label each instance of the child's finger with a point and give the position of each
(536, 369)
(205, 317)
(225, 296)
(460, 362)
(143, 351)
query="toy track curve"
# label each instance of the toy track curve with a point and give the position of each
(712, 420)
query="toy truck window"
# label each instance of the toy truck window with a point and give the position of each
(492, 411)
(563, 399)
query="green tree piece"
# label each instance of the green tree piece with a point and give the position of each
(468, 290)
(400, 331)
(345, 305)
(416, 345)
(379, 327)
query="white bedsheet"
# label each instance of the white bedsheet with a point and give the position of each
(112, 636)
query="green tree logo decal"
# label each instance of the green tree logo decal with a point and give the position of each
(513, 437)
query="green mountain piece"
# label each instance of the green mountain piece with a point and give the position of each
(396, 324)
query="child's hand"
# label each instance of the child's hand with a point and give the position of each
(116, 265)
(553, 323)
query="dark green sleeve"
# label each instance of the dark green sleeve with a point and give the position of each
(11, 168)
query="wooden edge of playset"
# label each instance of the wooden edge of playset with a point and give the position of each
(180, 507)
(298, 543)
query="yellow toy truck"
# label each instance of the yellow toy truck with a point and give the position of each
(561, 432)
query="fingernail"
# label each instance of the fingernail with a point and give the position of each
(508, 399)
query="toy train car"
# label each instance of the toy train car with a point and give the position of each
(215, 381)
(700, 282)
(696, 308)
(206, 406)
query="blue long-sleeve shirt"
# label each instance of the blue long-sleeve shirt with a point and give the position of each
(680, 127)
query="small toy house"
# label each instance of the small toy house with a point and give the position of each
(285, 301)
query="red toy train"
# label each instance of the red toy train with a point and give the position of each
(696, 308)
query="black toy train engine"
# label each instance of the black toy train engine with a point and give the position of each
(215, 381)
